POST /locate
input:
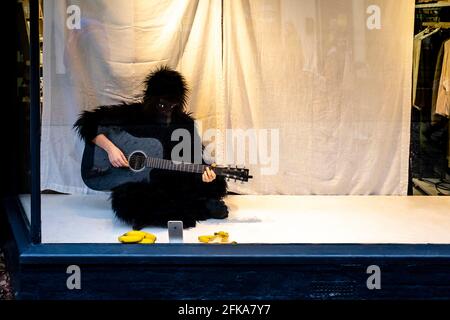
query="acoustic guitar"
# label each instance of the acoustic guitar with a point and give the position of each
(144, 155)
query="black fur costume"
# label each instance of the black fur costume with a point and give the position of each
(169, 195)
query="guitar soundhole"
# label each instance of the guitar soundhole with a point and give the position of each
(136, 161)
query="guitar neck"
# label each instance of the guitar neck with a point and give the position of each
(164, 164)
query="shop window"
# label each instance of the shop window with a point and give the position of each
(308, 106)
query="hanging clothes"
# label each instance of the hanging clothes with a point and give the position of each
(416, 58)
(429, 50)
(442, 107)
(443, 97)
(436, 83)
(428, 132)
(429, 139)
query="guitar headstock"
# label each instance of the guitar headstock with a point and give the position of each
(235, 173)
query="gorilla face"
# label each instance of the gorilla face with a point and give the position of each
(164, 109)
(165, 94)
(166, 106)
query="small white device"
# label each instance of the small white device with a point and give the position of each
(175, 229)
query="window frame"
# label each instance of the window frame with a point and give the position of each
(31, 232)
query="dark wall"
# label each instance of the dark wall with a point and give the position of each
(15, 111)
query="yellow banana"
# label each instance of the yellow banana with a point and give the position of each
(221, 234)
(147, 241)
(136, 236)
(150, 236)
(206, 239)
(218, 237)
(135, 233)
(130, 239)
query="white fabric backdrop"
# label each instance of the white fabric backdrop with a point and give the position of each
(336, 92)
(106, 60)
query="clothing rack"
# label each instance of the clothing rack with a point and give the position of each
(442, 25)
(427, 156)
(438, 4)
(431, 12)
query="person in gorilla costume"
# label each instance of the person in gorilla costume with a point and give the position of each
(169, 195)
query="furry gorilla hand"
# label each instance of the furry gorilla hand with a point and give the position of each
(168, 195)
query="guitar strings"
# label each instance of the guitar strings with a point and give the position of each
(162, 163)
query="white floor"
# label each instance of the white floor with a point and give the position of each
(266, 219)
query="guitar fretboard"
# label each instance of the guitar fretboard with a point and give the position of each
(169, 165)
